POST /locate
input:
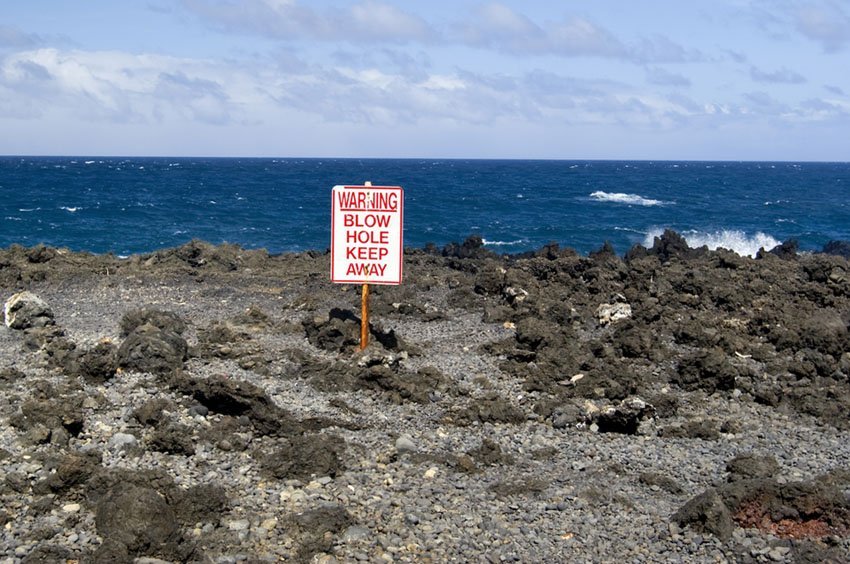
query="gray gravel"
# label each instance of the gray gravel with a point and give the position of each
(567, 494)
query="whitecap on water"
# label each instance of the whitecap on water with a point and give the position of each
(731, 239)
(621, 198)
(503, 243)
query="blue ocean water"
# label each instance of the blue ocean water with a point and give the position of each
(133, 205)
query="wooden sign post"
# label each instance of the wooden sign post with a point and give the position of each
(364, 317)
(366, 240)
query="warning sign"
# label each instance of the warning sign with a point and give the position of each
(366, 234)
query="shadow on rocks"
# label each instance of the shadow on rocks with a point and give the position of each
(340, 332)
(228, 396)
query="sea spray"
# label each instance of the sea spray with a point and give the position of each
(733, 240)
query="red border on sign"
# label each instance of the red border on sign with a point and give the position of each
(400, 212)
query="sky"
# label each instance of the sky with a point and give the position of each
(571, 79)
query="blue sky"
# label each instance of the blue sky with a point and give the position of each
(656, 79)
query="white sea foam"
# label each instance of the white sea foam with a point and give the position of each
(71, 209)
(89, 162)
(503, 243)
(733, 240)
(621, 198)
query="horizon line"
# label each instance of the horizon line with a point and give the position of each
(422, 158)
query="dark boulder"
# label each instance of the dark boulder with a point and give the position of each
(304, 457)
(165, 320)
(750, 466)
(98, 364)
(837, 248)
(706, 513)
(232, 397)
(625, 417)
(151, 349)
(787, 250)
(671, 245)
(139, 518)
(471, 248)
(708, 370)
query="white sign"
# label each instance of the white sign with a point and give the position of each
(366, 234)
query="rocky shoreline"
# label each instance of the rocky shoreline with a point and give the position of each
(209, 404)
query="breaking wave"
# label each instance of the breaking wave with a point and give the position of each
(503, 243)
(621, 198)
(733, 240)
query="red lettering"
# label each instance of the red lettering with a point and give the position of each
(365, 269)
(370, 220)
(367, 237)
(377, 201)
(366, 253)
(387, 201)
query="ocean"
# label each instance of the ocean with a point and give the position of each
(138, 205)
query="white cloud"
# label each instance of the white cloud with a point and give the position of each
(369, 21)
(120, 87)
(114, 86)
(497, 26)
(660, 49)
(200, 99)
(781, 76)
(827, 109)
(14, 37)
(823, 21)
(827, 23)
(283, 19)
(493, 26)
(315, 69)
(663, 77)
(376, 21)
